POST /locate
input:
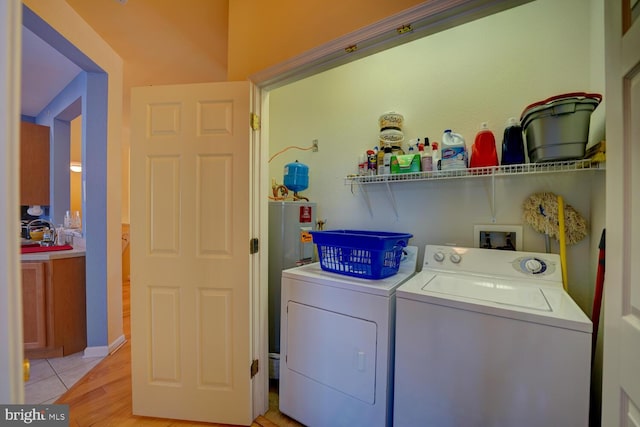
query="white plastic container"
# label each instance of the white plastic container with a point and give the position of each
(426, 160)
(435, 155)
(454, 151)
(386, 161)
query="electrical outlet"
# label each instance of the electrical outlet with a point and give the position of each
(493, 236)
(315, 145)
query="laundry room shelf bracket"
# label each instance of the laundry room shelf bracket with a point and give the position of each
(365, 196)
(493, 198)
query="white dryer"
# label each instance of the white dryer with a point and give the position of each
(490, 338)
(337, 340)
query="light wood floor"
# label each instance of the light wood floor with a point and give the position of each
(103, 396)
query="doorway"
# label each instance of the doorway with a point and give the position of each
(85, 96)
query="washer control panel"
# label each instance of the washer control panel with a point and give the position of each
(533, 265)
(530, 265)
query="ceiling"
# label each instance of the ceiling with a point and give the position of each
(45, 72)
(160, 42)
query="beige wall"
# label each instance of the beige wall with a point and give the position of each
(68, 23)
(266, 33)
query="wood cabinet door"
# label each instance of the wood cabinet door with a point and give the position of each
(34, 308)
(34, 164)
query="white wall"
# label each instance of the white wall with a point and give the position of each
(487, 70)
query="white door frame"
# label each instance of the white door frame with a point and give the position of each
(11, 350)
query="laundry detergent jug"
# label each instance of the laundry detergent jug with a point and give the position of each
(513, 143)
(483, 151)
(453, 152)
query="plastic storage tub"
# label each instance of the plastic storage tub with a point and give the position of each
(557, 128)
(358, 253)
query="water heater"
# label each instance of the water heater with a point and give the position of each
(290, 245)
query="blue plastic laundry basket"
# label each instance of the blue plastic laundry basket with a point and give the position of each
(360, 253)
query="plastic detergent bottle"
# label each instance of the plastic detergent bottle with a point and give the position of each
(386, 160)
(435, 155)
(380, 160)
(426, 158)
(454, 151)
(513, 143)
(483, 151)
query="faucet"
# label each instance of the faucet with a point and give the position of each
(49, 240)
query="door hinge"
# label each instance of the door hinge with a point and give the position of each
(254, 245)
(351, 49)
(255, 121)
(404, 29)
(254, 368)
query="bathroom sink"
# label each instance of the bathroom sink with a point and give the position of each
(29, 249)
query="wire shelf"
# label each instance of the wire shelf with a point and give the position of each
(506, 170)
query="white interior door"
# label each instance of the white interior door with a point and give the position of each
(190, 262)
(621, 360)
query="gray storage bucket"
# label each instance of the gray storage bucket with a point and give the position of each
(557, 128)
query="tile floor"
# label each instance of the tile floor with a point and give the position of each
(50, 378)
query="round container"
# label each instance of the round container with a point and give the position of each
(296, 176)
(391, 120)
(391, 136)
(557, 128)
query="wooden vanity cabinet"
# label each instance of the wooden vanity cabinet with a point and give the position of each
(34, 164)
(54, 307)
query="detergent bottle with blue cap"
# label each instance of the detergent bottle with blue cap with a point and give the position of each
(453, 151)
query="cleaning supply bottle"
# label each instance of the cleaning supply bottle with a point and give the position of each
(454, 151)
(362, 165)
(426, 158)
(386, 160)
(372, 162)
(513, 143)
(435, 155)
(414, 145)
(483, 151)
(380, 160)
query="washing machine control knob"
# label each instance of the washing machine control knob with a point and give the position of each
(438, 256)
(533, 265)
(455, 258)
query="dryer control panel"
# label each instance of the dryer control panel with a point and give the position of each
(512, 264)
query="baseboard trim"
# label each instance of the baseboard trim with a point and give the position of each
(104, 350)
(96, 351)
(116, 344)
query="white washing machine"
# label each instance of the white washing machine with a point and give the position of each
(490, 338)
(336, 346)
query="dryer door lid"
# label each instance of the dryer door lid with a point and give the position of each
(485, 289)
